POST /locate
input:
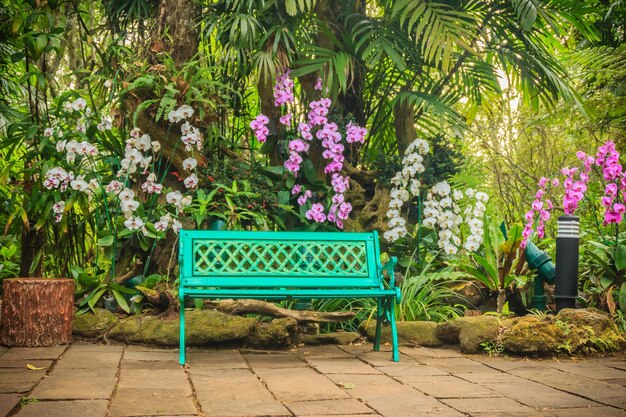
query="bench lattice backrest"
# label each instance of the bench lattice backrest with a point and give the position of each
(274, 259)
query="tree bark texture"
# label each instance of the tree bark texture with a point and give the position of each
(404, 123)
(37, 312)
(272, 310)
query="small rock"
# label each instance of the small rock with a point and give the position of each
(532, 335)
(420, 333)
(334, 338)
(94, 325)
(469, 332)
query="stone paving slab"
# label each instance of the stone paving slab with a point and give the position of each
(20, 353)
(7, 402)
(590, 370)
(299, 384)
(23, 363)
(599, 391)
(273, 360)
(215, 359)
(501, 406)
(76, 384)
(152, 401)
(391, 398)
(234, 392)
(81, 408)
(415, 369)
(328, 407)
(342, 366)
(537, 395)
(447, 387)
(588, 412)
(431, 353)
(18, 380)
(458, 365)
(323, 352)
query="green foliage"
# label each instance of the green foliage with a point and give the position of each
(242, 194)
(501, 266)
(605, 273)
(9, 268)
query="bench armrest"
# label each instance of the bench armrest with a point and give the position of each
(389, 267)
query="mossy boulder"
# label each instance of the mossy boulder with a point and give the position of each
(94, 325)
(333, 338)
(202, 327)
(589, 330)
(420, 333)
(532, 335)
(597, 320)
(469, 332)
(278, 332)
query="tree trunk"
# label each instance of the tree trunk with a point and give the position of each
(32, 243)
(178, 20)
(37, 312)
(404, 123)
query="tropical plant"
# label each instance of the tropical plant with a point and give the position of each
(501, 267)
(606, 273)
(426, 295)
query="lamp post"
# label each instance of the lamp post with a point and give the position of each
(567, 242)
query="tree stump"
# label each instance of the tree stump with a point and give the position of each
(37, 312)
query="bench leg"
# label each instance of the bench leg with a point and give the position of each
(181, 359)
(380, 312)
(395, 356)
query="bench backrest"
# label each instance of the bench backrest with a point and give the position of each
(236, 259)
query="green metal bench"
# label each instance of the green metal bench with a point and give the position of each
(286, 265)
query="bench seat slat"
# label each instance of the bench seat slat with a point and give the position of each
(287, 293)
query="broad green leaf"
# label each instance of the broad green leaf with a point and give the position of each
(309, 171)
(290, 7)
(121, 301)
(95, 296)
(283, 197)
(620, 257)
(40, 43)
(105, 241)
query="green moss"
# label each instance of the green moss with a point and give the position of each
(203, 327)
(94, 325)
(532, 335)
(278, 332)
(421, 333)
(469, 332)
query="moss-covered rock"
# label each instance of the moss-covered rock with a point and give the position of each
(334, 338)
(532, 335)
(469, 332)
(597, 320)
(202, 327)
(589, 330)
(94, 325)
(278, 332)
(420, 333)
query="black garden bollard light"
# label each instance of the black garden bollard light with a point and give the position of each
(567, 242)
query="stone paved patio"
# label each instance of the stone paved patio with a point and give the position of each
(117, 381)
